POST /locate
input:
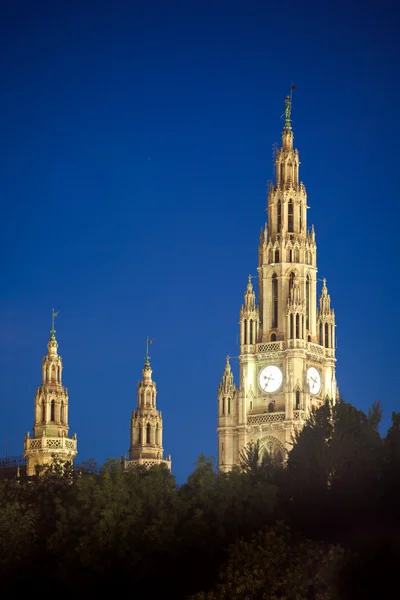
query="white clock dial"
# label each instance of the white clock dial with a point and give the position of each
(313, 380)
(270, 379)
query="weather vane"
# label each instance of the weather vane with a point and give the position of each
(54, 314)
(148, 342)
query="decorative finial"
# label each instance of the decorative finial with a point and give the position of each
(288, 108)
(147, 357)
(54, 314)
(288, 111)
(250, 276)
(324, 281)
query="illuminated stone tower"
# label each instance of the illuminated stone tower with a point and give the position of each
(50, 428)
(287, 344)
(146, 424)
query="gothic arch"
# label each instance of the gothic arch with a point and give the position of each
(274, 447)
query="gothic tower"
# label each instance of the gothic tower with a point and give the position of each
(146, 424)
(50, 439)
(287, 344)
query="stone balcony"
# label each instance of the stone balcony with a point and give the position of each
(289, 345)
(57, 444)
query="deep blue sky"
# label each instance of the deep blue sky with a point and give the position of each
(136, 147)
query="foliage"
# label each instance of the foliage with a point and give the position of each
(326, 526)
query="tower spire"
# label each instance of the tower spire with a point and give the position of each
(146, 423)
(50, 426)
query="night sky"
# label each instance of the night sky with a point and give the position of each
(135, 153)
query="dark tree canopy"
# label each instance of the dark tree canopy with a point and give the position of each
(324, 526)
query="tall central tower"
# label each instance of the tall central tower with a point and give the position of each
(287, 343)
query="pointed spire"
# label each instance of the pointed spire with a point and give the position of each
(325, 299)
(249, 296)
(227, 383)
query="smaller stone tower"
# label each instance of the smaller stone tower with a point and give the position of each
(146, 424)
(50, 439)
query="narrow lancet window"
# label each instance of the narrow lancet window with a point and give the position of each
(276, 255)
(279, 212)
(297, 400)
(229, 406)
(290, 216)
(251, 331)
(297, 326)
(308, 295)
(52, 411)
(148, 433)
(326, 335)
(274, 301)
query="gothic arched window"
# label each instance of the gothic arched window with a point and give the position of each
(297, 400)
(251, 331)
(140, 434)
(276, 259)
(274, 300)
(157, 435)
(297, 326)
(320, 334)
(326, 335)
(279, 213)
(44, 411)
(52, 411)
(223, 406)
(148, 433)
(273, 337)
(308, 295)
(62, 412)
(229, 406)
(271, 407)
(245, 331)
(291, 332)
(290, 216)
(300, 218)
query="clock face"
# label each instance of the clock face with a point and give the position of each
(270, 379)
(314, 380)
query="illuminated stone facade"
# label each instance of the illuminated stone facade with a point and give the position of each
(146, 426)
(50, 427)
(287, 343)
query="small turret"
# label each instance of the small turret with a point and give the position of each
(326, 319)
(249, 320)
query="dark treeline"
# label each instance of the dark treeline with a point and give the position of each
(324, 527)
